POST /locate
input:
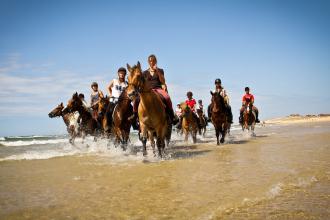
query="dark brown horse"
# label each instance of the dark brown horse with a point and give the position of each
(121, 125)
(219, 116)
(202, 122)
(249, 118)
(189, 123)
(151, 111)
(88, 124)
(104, 115)
(70, 120)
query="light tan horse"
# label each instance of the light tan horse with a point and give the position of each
(189, 123)
(151, 111)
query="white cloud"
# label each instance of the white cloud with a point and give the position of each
(29, 90)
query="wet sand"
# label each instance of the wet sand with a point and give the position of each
(282, 173)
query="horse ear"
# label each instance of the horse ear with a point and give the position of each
(139, 65)
(211, 93)
(129, 68)
(61, 104)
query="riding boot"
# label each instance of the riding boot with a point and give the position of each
(173, 119)
(229, 114)
(134, 120)
(241, 117)
(257, 119)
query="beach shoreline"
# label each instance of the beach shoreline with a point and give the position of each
(282, 172)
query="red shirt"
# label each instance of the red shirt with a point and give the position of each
(248, 98)
(191, 103)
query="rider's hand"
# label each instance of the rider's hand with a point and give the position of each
(164, 87)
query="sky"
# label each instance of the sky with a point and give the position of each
(51, 49)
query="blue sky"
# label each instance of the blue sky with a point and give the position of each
(50, 49)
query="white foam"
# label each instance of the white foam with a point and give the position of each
(33, 155)
(2, 139)
(275, 190)
(33, 142)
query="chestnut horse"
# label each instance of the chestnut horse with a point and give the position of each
(88, 124)
(249, 118)
(189, 123)
(121, 125)
(70, 120)
(202, 122)
(219, 116)
(151, 111)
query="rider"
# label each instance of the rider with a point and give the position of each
(219, 89)
(246, 100)
(191, 102)
(155, 76)
(178, 112)
(96, 95)
(118, 85)
(201, 108)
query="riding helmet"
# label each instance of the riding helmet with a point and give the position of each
(189, 93)
(217, 81)
(94, 84)
(247, 89)
(122, 69)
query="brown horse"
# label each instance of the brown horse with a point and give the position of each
(219, 116)
(202, 122)
(70, 120)
(151, 111)
(189, 123)
(88, 124)
(104, 115)
(121, 125)
(249, 118)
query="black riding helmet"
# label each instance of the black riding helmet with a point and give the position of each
(247, 89)
(122, 69)
(189, 93)
(217, 81)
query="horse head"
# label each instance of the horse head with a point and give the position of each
(185, 109)
(199, 113)
(103, 104)
(217, 101)
(135, 80)
(74, 104)
(56, 112)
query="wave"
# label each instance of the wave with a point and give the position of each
(33, 155)
(32, 142)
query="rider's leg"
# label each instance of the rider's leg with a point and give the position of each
(168, 103)
(255, 109)
(230, 114)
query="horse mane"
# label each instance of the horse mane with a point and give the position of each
(219, 100)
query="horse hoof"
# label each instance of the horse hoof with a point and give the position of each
(144, 153)
(218, 143)
(222, 140)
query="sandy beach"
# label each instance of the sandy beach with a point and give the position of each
(281, 173)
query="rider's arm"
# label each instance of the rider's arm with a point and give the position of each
(162, 79)
(110, 88)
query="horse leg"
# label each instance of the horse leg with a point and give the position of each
(194, 134)
(152, 142)
(160, 146)
(223, 134)
(217, 135)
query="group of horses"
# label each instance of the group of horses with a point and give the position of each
(154, 123)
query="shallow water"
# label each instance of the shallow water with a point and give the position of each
(282, 173)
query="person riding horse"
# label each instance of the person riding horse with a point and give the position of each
(248, 99)
(117, 85)
(219, 89)
(191, 103)
(155, 76)
(96, 95)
